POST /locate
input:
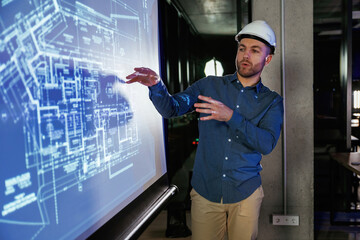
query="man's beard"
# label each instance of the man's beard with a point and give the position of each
(248, 71)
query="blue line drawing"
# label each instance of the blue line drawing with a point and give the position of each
(59, 63)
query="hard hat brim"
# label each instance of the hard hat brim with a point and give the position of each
(241, 36)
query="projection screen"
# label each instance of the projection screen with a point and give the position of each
(77, 145)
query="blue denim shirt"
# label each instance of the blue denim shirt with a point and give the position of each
(227, 163)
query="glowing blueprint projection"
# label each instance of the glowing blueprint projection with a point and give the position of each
(76, 143)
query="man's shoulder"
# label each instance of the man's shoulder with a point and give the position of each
(270, 93)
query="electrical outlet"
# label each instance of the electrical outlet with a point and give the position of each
(285, 220)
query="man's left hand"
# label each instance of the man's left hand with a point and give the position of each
(217, 110)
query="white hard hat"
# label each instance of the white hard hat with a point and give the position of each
(259, 30)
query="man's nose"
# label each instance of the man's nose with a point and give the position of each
(246, 55)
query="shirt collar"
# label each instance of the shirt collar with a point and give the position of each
(258, 86)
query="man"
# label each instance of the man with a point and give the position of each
(240, 119)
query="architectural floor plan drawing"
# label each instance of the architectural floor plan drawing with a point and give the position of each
(68, 124)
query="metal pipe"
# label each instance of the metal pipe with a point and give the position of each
(283, 76)
(153, 209)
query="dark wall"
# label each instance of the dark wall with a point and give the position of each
(180, 50)
(356, 56)
(327, 90)
(185, 52)
(223, 48)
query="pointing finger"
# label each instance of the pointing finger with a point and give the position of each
(135, 79)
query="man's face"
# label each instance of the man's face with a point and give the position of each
(251, 57)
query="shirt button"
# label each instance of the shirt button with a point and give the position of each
(242, 90)
(226, 158)
(256, 96)
(237, 106)
(229, 139)
(224, 175)
(237, 136)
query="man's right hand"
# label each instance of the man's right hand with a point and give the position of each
(145, 76)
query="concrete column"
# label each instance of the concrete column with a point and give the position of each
(299, 119)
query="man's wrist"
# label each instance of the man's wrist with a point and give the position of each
(156, 85)
(232, 113)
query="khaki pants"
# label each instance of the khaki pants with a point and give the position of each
(211, 220)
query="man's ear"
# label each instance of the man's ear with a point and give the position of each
(268, 59)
